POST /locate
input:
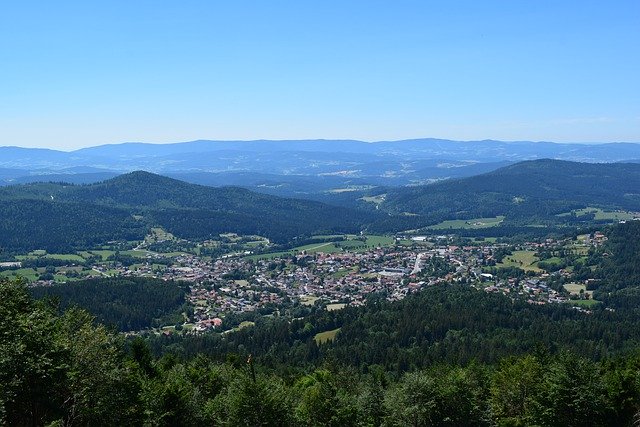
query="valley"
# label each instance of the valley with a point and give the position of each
(231, 279)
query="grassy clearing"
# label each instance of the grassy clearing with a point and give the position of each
(525, 260)
(329, 247)
(326, 336)
(64, 257)
(349, 245)
(350, 188)
(474, 223)
(487, 239)
(102, 253)
(245, 324)
(374, 199)
(552, 260)
(334, 307)
(27, 273)
(270, 255)
(308, 300)
(158, 234)
(574, 288)
(600, 214)
(136, 253)
(378, 240)
(174, 254)
(586, 303)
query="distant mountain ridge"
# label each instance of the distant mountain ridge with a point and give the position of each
(328, 165)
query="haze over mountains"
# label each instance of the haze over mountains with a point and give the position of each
(305, 168)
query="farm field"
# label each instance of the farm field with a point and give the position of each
(102, 253)
(525, 260)
(602, 215)
(474, 223)
(43, 254)
(27, 273)
(351, 244)
(586, 303)
(575, 288)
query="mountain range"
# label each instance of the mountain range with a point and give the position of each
(298, 168)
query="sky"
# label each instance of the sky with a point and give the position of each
(77, 74)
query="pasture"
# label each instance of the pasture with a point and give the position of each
(585, 303)
(351, 244)
(472, 224)
(525, 260)
(601, 214)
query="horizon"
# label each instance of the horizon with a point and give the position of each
(78, 74)
(319, 140)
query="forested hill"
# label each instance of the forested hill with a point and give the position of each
(60, 216)
(539, 188)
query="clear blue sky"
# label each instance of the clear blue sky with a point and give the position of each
(84, 73)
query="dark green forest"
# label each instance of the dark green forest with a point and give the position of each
(129, 304)
(526, 192)
(449, 355)
(63, 217)
(68, 370)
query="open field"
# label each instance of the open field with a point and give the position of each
(601, 215)
(586, 303)
(308, 300)
(64, 257)
(575, 288)
(136, 253)
(350, 188)
(487, 239)
(374, 199)
(349, 245)
(377, 240)
(158, 234)
(27, 273)
(334, 307)
(326, 336)
(473, 223)
(525, 260)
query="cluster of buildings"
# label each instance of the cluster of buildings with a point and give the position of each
(239, 284)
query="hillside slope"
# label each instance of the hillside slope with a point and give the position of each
(58, 216)
(525, 190)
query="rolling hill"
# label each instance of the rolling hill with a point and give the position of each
(60, 216)
(524, 192)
